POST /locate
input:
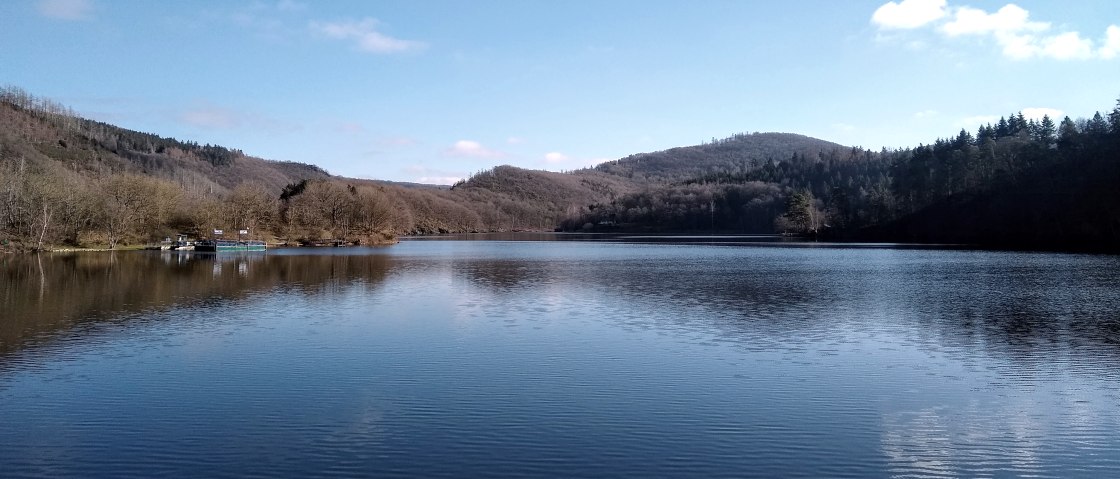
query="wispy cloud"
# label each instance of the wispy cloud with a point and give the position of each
(431, 176)
(926, 114)
(1018, 36)
(472, 149)
(276, 21)
(439, 180)
(350, 128)
(212, 117)
(66, 9)
(365, 36)
(514, 140)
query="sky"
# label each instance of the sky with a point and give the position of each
(433, 91)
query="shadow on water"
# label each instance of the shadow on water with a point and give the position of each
(47, 295)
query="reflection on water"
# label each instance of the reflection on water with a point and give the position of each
(46, 294)
(573, 358)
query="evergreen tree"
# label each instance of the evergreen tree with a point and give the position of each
(1096, 125)
(801, 213)
(1002, 128)
(1046, 130)
(1068, 135)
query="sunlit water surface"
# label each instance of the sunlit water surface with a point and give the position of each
(571, 359)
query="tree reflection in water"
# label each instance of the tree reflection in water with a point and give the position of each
(44, 295)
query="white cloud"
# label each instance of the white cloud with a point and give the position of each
(1036, 114)
(908, 14)
(473, 149)
(1008, 19)
(1011, 27)
(431, 176)
(66, 9)
(1067, 46)
(1111, 47)
(555, 157)
(365, 36)
(514, 140)
(925, 114)
(439, 180)
(844, 127)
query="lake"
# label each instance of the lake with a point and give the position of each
(620, 358)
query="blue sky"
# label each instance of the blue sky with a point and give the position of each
(432, 91)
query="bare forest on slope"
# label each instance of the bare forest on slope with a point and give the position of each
(73, 182)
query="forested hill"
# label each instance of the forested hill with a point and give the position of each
(736, 154)
(1021, 183)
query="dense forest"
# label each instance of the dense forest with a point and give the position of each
(72, 182)
(1018, 183)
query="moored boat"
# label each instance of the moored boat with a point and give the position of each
(220, 245)
(183, 243)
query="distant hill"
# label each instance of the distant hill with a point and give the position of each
(735, 154)
(575, 198)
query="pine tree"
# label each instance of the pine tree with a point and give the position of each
(1046, 130)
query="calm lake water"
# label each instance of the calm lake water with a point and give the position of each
(561, 358)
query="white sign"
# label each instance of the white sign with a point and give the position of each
(243, 232)
(217, 232)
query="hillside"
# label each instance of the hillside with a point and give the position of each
(1059, 195)
(735, 154)
(44, 134)
(633, 189)
(1020, 183)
